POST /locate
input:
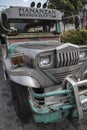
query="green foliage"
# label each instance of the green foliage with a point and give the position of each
(83, 35)
(75, 37)
(71, 6)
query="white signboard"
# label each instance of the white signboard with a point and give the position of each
(33, 13)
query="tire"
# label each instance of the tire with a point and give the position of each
(20, 99)
(39, 91)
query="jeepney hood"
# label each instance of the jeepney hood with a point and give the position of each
(32, 49)
(64, 60)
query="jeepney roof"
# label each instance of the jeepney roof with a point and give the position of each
(32, 13)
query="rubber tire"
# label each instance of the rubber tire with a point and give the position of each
(39, 91)
(20, 99)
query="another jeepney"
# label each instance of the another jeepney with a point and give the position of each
(36, 64)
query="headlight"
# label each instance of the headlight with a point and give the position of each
(82, 55)
(43, 61)
(46, 61)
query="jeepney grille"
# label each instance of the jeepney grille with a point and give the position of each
(67, 58)
(60, 76)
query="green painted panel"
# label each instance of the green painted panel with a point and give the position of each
(51, 117)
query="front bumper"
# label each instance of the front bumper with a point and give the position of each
(53, 112)
(50, 114)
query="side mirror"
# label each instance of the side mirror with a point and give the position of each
(4, 24)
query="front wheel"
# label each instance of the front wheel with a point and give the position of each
(20, 98)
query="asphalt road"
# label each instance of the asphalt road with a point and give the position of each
(10, 121)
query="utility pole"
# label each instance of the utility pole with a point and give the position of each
(84, 9)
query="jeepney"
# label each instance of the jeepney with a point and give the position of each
(47, 77)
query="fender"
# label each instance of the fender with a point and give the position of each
(25, 81)
(18, 75)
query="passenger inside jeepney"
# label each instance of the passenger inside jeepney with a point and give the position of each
(46, 28)
(34, 26)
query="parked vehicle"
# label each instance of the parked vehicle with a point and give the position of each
(36, 63)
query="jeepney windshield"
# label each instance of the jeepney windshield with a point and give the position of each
(34, 26)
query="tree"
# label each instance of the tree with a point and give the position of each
(66, 5)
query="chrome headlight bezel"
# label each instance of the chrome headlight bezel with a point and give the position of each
(82, 55)
(46, 60)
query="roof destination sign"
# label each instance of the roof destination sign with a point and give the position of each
(33, 13)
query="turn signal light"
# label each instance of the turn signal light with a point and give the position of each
(17, 59)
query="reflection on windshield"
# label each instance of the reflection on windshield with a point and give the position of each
(34, 26)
